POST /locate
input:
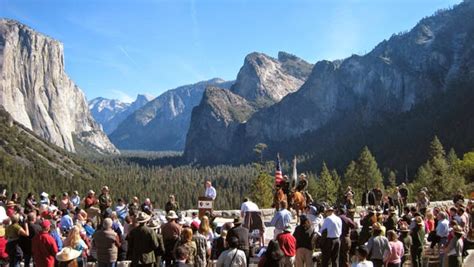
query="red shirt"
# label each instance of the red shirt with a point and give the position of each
(287, 243)
(3, 246)
(44, 250)
(89, 201)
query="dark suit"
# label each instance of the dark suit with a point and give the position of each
(180, 264)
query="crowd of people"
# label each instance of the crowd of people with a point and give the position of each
(74, 230)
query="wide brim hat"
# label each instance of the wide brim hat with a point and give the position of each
(458, 229)
(44, 194)
(153, 224)
(106, 188)
(302, 175)
(392, 210)
(419, 220)
(67, 254)
(171, 215)
(143, 217)
(90, 192)
(404, 228)
(10, 203)
(287, 229)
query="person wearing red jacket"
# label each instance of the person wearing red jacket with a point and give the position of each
(3, 247)
(44, 247)
(288, 245)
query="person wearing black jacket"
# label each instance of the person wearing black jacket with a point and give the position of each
(347, 226)
(25, 241)
(242, 234)
(304, 234)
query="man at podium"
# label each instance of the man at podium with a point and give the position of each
(210, 191)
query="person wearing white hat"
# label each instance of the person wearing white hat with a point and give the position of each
(332, 228)
(171, 232)
(142, 241)
(66, 255)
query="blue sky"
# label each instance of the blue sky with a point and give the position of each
(117, 48)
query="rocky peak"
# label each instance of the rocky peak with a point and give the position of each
(266, 80)
(37, 92)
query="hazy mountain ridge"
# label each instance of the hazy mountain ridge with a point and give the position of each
(37, 92)
(111, 112)
(162, 123)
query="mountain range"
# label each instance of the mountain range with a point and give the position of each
(344, 105)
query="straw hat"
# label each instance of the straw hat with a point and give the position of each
(143, 217)
(10, 203)
(287, 228)
(171, 215)
(237, 220)
(67, 254)
(458, 229)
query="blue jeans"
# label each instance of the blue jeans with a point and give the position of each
(106, 264)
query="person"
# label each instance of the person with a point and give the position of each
(442, 232)
(201, 246)
(160, 250)
(182, 255)
(106, 242)
(219, 245)
(406, 240)
(65, 202)
(13, 233)
(30, 203)
(315, 217)
(378, 245)
(362, 254)
(232, 256)
(458, 197)
(422, 202)
(43, 247)
(304, 234)
(273, 256)
(142, 241)
(25, 241)
(418, 238)
(3, 247)
(288, 245)
(366, 223)
(121, 209)
(66, 222)
(331, 231)
(44, 199)
(172, 204)
(391, 221)
(147, 206)
(171, 232)
(75, 199)
(394, 257)
(105, 201)
(281, 219)
(455, 247)
(403, 192)
(347, 226)
(210, 191)
(90, 202)
(302, 183)
(242, 235)
(75, 241)
(187, 242)
(247, 206)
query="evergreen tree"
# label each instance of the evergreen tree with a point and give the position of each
(439, 174)
(261, 190)
(328, 189)
(363, 174)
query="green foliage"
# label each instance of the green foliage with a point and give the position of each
(261, 190)
(466, 166)
(258, 149)
(363, 174)
(326, 186)
(440, 173)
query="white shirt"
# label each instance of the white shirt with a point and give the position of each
(210, 192)
(248, 206)
(365, 263)
(333, 224)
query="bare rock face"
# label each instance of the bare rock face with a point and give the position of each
(266, 80)
(214, 124)
(37, 92)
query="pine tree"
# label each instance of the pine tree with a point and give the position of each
(261, 190)
(439, 174)
(328, 188)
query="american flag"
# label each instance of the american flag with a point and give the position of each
(278, 173)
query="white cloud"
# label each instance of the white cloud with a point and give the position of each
(121, 95)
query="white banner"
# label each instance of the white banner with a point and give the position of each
(204, 204)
